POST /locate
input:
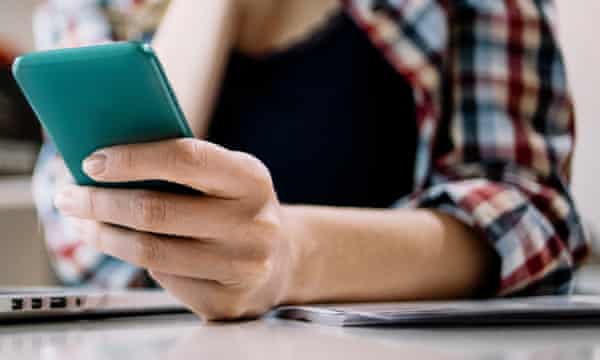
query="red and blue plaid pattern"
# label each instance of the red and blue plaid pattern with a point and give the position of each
(496, 131)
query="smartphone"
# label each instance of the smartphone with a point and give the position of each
(99, 96)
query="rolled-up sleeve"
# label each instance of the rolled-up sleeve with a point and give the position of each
(496, 131)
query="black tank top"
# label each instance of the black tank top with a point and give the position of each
(330, 117)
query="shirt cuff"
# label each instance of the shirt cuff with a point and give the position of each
(534, 258)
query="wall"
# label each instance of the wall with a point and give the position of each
(22, 255)
(15, 21)
(579, 30)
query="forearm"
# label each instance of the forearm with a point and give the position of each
(193, 43)
(384, 255)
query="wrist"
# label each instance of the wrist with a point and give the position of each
(303, 265)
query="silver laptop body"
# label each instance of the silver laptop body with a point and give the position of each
(18, 305)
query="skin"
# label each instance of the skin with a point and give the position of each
(195, 64)
(236, 251)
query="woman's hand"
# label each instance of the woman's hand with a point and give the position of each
(235, 252)
(224, 254)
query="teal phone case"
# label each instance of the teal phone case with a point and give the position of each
(94, 97)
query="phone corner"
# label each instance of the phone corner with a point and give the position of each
(17, 66)
(144, 48)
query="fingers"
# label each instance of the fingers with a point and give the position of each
(198, 164)
(177, 256)
(160, 213)
(208, 299)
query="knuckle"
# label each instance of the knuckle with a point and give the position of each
(264, 233)
(263, 268)
(221, 305)
(257, 173)
(124, 160)
(260, 239)
(189, 153)
(148, 250)
(149, 209)
(231, 309)
(248, 274)
(94, 196)
(233, 274)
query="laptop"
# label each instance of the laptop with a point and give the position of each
(44, 304)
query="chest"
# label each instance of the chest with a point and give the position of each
(272, 25)
(331, 119)
(263, 25)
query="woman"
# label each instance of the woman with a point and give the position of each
(353, 151)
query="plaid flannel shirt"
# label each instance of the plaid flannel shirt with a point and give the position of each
(488, 78)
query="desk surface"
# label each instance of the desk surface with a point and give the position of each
(183, 337)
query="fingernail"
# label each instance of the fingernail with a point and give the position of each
(95, 164)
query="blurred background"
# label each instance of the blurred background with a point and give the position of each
(22, 257)
(23, 260)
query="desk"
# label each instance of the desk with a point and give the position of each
(183, 337)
